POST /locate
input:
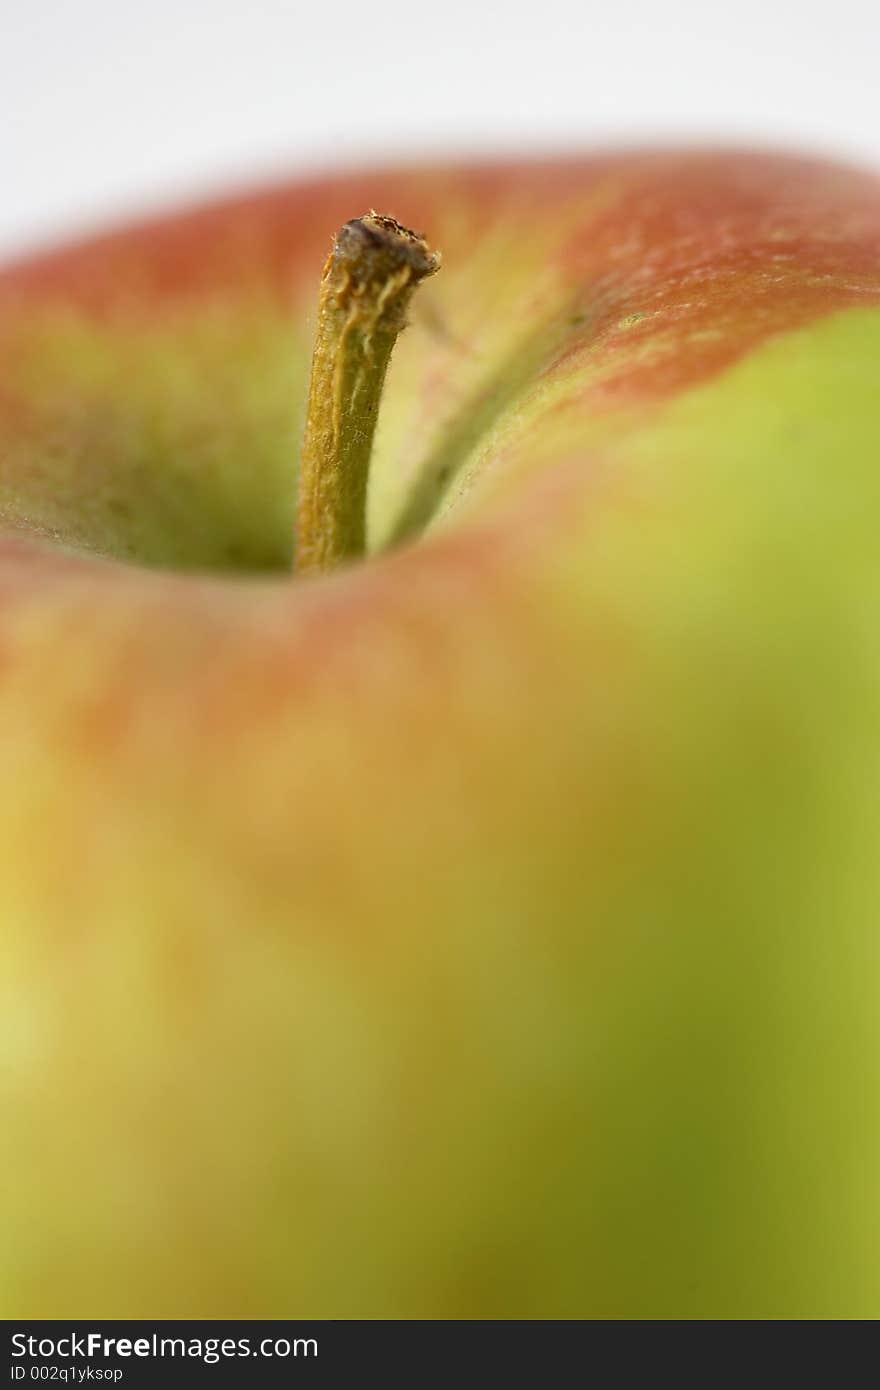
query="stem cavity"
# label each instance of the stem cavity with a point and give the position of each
(368, 281)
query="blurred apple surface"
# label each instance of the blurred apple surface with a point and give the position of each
(487, 928)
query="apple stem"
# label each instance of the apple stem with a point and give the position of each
(368, 281)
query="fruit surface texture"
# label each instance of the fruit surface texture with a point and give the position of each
(490, 927)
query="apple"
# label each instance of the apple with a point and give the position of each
(487, 926)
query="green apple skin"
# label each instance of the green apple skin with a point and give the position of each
(489, 929)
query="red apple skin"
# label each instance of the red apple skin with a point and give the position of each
(488, 929)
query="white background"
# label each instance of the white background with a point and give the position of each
(110, 106)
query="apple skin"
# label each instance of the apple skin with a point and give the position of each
(489, 929)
